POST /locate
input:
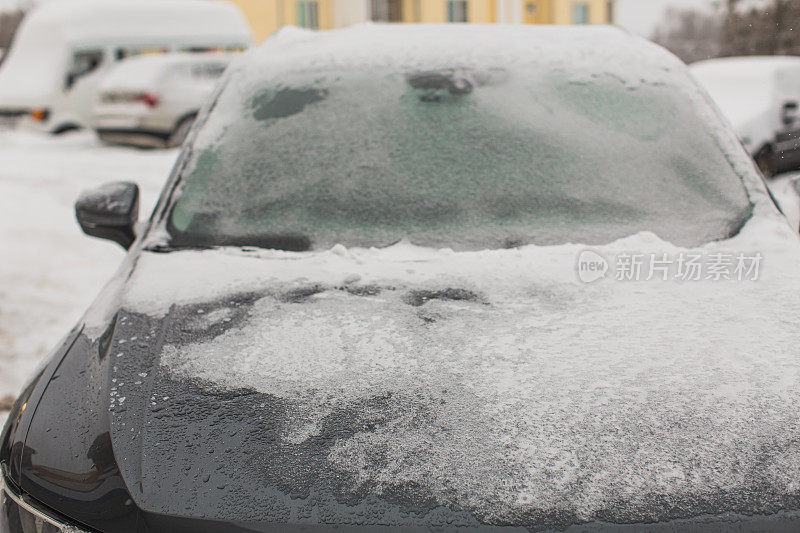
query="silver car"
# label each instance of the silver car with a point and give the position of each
(152, 101)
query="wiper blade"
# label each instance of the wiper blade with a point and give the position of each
(276, 241)
(289, 242)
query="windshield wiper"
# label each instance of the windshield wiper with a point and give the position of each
(289, 242)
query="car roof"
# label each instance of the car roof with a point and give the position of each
(81, 20)
(587, 48)
(148, 70)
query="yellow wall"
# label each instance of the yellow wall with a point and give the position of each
(480, 11)
(598, 12)
(266, 16)
(433, 11)
(325, 15)
(262, 16)
(537, 11)
(412, 10)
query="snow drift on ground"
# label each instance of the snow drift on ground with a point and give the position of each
(50, 271)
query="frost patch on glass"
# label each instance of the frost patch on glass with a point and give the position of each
(522, 142)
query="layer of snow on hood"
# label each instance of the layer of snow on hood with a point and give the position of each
(542, 393)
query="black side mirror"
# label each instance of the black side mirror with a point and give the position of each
(110, 212)
(790, 113)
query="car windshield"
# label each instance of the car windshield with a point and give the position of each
(461, 158)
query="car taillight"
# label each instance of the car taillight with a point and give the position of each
(149, 99)
(40, 115)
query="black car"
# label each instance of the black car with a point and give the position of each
(357, 305)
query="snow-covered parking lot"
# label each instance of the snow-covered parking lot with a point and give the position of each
(49, 270)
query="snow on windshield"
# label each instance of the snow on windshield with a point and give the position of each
(523, 142)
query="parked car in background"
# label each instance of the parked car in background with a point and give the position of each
(152, 101)
(760, 96)
(356, 305)
(61, 51)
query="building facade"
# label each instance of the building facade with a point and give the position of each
(266, 16)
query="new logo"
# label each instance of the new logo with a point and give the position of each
(591, 266)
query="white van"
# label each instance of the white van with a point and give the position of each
(51, 72)
(760, 96)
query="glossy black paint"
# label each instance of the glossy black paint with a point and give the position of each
(110, 212)
(198, 459)
(19, 418)
(786, 154)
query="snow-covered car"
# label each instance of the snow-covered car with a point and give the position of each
(153, 100)
(391, 285)
(62, 50)
(760, 96)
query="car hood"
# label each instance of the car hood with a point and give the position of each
(410, 386)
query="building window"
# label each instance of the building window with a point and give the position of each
(457, 11)
(387, 10)
(610, 12)
(580, 13)
(531, 13)
(307, 14)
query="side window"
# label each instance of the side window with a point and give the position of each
(457, 11)
(208, 71)
(179, 72)
(83, 63)
(126, 52)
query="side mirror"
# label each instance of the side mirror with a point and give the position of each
(110, 212)
(790, 113)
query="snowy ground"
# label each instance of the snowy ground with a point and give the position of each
(49, 270)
